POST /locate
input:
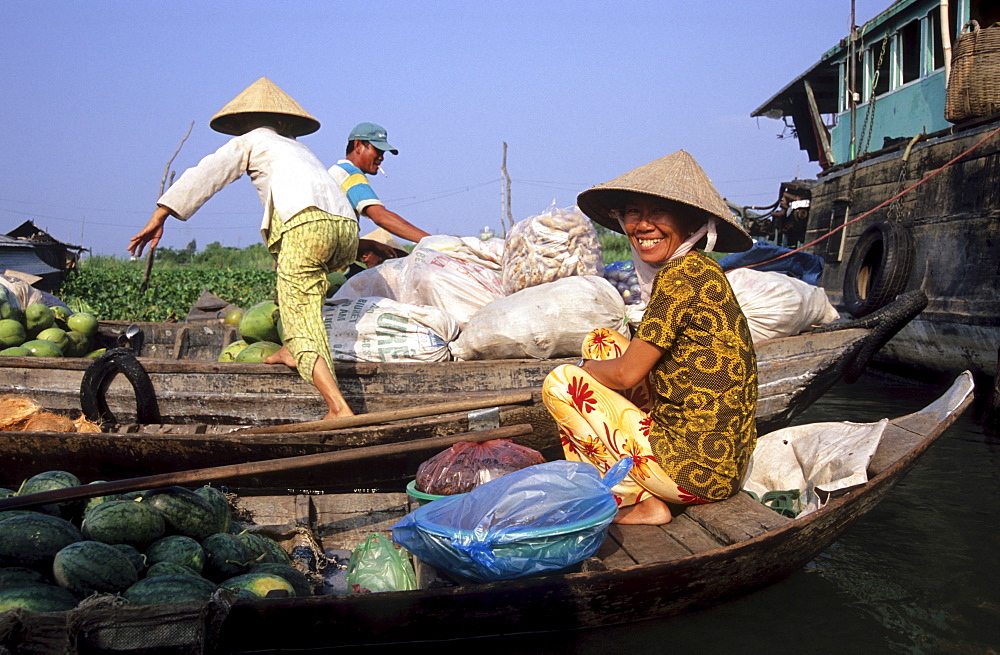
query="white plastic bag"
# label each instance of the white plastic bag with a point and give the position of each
(817, 456)
(383, 330)
(456, 282)
(542, 322)
(557, 243)
(777, 305)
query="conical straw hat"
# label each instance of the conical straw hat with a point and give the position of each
(382, 242)
(263, 98)
(676, 177)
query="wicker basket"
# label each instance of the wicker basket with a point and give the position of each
(974, 85)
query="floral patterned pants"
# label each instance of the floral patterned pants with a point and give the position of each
(601, 425)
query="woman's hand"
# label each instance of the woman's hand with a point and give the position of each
(628, 370)
(150, 234)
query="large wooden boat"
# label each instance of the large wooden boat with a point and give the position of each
(792, 372)
(708, 553)
(940, 235)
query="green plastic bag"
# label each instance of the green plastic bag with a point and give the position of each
(377, 565)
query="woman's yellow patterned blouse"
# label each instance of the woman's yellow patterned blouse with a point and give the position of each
(703, 414)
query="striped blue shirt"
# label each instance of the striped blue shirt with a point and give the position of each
(355, 186)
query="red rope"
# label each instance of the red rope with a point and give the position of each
(877, 207)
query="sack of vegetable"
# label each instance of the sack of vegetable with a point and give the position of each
(467, 465)
(555, 244)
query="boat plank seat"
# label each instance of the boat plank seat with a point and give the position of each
(736, 519)
(690, 534)
(645, 543)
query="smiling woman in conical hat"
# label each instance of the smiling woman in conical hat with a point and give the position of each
(308, 226)
(679, 182)
(688, 379)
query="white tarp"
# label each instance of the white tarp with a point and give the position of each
(815, 459)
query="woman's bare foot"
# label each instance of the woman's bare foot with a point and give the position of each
(651, 511)
(283, 356)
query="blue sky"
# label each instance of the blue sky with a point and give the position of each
(97, 95)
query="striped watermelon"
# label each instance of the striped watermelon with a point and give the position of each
(31, 539)
(123, 522)
(88, 566)
(169, 589)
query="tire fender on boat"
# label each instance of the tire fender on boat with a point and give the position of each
(98, 376)
(878, 269)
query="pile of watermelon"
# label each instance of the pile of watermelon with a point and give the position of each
(42, 331)
(168, 545)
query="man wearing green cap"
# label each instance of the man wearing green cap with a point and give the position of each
(366, 147)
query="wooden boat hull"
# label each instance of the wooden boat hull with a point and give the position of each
(793, 372)
(706, 554)
(952, 222)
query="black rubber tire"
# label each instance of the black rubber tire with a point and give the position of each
(879, 268)
(98, 376)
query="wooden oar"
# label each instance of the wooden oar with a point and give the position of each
(394, 414)
(216, 473)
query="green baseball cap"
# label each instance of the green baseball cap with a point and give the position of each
(373, 134)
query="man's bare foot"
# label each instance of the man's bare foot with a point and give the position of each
(283, 356)
(651, 511)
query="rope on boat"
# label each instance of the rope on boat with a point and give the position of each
(880, 205)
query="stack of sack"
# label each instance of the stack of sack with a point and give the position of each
(534, 295)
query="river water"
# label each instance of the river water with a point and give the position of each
(919, 574)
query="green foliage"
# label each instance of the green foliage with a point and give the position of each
(614, 246)
(110, 287)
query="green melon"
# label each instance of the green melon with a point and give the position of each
(170, 568)
(258, 351)
(169, 589)
(138, 559)
(42, 348)
(259, 322)
(230, 352)
(86, 567)
(37, 598)
(78, 344)
(10, 310)
(263, 549)
(16, 351)
(123, 522)
(38, 317)
(220, 504)
(50, 481)
(184, 511)
(12, 333)
(260, 584)
(83, 323)
(31, 539)
(225, 556)
(292, 575)
(57, 336)
(177, 549)
(11, 576)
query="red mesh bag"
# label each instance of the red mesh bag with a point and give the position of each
(466, 465)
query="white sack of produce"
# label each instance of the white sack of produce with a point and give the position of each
(383, 330)
(542, 322)
(777, 305)
(555, 244)
(473, 249)
(458, 285)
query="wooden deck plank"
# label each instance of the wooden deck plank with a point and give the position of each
(647, 543)
(612, 553)
(690, 534)
(736, 519)
(345, 521)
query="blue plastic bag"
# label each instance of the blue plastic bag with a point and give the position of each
(540, 518)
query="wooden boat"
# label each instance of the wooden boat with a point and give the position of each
(941, 235)
(792, 372)
(708, 553)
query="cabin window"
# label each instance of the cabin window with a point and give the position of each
(986, 12)
(909, 51)
(936, 47)
(877, 65)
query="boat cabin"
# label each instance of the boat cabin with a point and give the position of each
(884, 83)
